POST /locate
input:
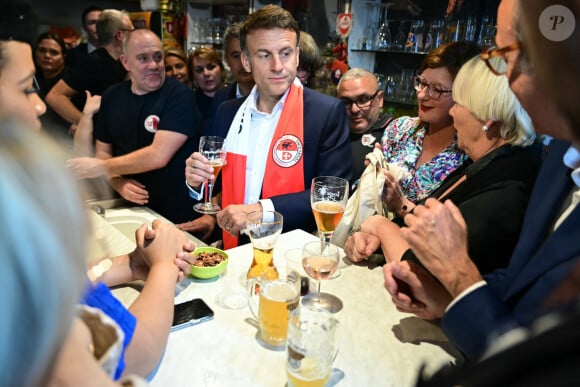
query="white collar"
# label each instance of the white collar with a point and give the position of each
(572, 160)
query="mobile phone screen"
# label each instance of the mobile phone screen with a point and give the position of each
(190, 313)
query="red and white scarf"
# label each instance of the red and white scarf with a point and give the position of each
(285, 162)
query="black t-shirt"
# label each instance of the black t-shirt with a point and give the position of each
(95, 73)
(129, 122)
(363, 143)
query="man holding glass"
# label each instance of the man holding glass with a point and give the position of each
(146, 127)
(278, 138)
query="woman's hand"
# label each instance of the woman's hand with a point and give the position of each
(360, 246)
(393, 197)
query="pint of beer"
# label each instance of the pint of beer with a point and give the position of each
(277, 296)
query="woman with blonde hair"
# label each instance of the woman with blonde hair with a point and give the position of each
(491, 191)
(176, 65)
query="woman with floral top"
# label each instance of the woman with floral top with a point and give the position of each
(425, 146)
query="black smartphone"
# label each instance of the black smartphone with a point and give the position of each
(190, 313)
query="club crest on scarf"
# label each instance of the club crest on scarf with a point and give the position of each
(287, 151)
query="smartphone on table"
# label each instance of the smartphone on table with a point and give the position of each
(190, 313)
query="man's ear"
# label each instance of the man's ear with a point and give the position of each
(123, 59)
(246, 62)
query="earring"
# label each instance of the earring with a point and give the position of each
(484, 128)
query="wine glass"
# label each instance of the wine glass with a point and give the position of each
(211, 148)
(320, 262)
(328, 197)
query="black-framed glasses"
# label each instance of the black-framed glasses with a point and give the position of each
(498, 66)
(208, 67)
(363, 101)
(433, 91)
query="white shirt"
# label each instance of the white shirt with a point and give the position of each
(262, 127)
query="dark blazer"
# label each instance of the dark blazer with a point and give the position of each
(327, 151)
(220, 96)
(540, 261)
(493, 201)
(548, 356)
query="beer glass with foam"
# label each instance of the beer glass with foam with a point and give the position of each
(328, 197)
(271, 297)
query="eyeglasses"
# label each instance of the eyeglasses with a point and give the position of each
(498, 66)
(127, 29)
(364, 101)
(208, 67)
(433, 91)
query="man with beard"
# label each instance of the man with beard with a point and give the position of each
(146, 128)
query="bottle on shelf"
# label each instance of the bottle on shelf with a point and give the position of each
(415, 37)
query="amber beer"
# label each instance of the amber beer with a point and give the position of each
(277, 298)
(263, 258)
(310, 374)
(217, 167)
(327, 214)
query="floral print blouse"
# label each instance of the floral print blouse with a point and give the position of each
(402, 144)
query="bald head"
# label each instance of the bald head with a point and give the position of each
(143, 59)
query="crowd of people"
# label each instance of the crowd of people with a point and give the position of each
(486, 218)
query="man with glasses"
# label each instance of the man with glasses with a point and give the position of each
(99, 70)
(359, 90)
(546, 251)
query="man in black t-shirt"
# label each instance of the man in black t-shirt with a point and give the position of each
(98, 71)
(146, 129)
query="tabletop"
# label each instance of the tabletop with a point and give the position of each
(378, 345)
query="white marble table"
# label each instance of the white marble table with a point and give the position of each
(379, 346)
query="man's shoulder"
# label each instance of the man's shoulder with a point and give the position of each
(313, 96)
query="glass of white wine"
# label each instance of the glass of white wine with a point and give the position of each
(211, 148)
(328, 197)
(320, 262)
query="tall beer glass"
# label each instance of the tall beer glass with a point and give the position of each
(263, 228)
(211, 148)
(328, 197)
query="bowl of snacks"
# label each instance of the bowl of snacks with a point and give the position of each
(209, 262)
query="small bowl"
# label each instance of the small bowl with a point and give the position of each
(207, 272)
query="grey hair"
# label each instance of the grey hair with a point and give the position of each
(43, 249)
(489, 97)
(109, 22)
(356, 73)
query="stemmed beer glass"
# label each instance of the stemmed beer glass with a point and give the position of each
(211, 148)
(320, 262)
(328, 197)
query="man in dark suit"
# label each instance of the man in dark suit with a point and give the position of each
(77, 54)
(279, 137)
(475, 307)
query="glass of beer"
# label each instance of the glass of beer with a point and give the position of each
(320, 262)
(328, 197)
(273, 295)
(263, 228)
(211, 148)
(312, 347)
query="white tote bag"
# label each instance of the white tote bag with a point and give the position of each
(366, 200)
